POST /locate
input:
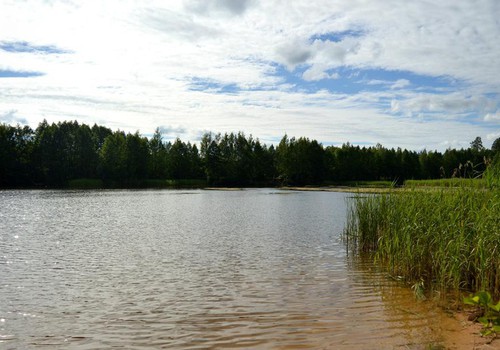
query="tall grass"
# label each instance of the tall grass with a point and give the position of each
(365, 184)
(448, 237)
(451, 182)
(492, 173)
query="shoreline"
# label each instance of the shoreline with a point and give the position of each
(346, 189)
(468, 336)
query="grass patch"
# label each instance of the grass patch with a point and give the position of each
(449, 238)
(365, 184)
(448, 183)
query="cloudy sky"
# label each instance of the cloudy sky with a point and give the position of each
(415, 74)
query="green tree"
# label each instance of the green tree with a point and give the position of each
(179, 161)
(430, 164)
(113, 155)
(195, 164)
(99, 134)
(495, 147)
(300, 162)
(137, 157)
(477, 145)
(16, 147)
(158, 157)
(263, 164)
(211, 157)
(64, 151)
(410, 165)
(86, 157)
(48, 151)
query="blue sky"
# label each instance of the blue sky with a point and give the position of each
(414, 74)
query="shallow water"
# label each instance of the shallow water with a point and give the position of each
(195, 270)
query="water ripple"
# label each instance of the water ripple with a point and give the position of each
(161, 269)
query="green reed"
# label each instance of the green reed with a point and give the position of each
(448, 238)
(451, 182)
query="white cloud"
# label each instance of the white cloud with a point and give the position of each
(316, 73)
(131, 65)
(492, 117)
(11, 117)
(493, 136)
(230, 7)
(377, 82)
(393, 85)
(294, 53)
(400, 84)
(453, 104)
(175, 25)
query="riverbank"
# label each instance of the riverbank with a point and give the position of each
(467, 336)
(445, 238)
(439, 239)
(361, 189)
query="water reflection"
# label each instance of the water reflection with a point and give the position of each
(212, 269)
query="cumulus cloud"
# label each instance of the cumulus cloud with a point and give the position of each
(170, 130)
(336, 52)
(294, 53)
(318, 72)
(492, 117)
(232, 7)
(11, 117)
(493, 136)
(149, 53)
(323, 54)
(393, 85)
(400, 84)
(177, 25)
(451, 103)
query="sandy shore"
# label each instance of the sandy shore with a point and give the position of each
(468, 336)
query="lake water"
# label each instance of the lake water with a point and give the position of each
(195, 269)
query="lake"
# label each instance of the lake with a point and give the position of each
(196, 269)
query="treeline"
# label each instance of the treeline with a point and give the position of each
(53, 155)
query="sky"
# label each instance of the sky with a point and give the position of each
(411, 74)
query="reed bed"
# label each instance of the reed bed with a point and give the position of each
(447, 237)
(452, 182)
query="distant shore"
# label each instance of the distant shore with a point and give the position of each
(361, 189)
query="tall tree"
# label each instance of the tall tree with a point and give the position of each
(179, 161)
(211, 157)
(495, 147)
(477, 145)
(158, 156)
(113, 157)
(137, 156)
(301, 161)
(16, 146)
(50, 155)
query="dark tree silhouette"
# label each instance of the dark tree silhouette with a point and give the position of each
(55, 154)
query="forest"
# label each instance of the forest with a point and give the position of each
(58, 154)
